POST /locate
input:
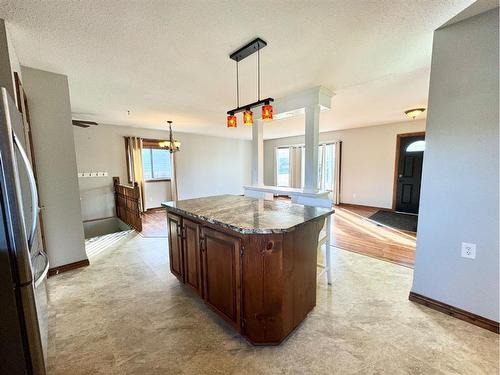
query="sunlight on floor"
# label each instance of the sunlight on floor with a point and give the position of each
(96, 245)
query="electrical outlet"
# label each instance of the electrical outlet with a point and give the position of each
(469, 250)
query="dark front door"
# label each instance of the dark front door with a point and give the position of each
(411, 156)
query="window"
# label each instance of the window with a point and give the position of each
(283, 166)
(326, 166)
(416, 146)
(156, 164)
(325, 176)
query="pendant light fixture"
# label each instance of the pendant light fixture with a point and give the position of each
(231, 121)
(267, 108)
(248, 117)
(267, 112)
(173, 145)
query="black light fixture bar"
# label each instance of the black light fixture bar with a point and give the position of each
(248, 49)
(250, 106)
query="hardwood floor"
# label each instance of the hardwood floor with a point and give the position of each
(351, 231)
(154, 223)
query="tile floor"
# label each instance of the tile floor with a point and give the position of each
(125, 314)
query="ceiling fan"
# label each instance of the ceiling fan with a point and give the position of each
(83, 124)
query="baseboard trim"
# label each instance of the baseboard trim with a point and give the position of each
(346, 205)
(68, 267)
(99, 219)
(469, 317)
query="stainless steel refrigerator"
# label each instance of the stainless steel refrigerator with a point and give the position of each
(23, 263)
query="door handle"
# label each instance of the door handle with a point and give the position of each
(34, 193)
(45, 269)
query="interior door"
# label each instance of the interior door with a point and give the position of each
(411, 156)
(192, 256)
(175, 245)
(221, 273)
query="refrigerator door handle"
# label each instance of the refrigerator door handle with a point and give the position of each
(42, 276)
(34, 192)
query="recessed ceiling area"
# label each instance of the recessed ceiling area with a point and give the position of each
(169, 60)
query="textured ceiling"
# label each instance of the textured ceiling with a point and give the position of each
(169, 59)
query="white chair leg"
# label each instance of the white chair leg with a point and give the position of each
(328, 260)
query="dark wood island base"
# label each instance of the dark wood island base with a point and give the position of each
(259, 277)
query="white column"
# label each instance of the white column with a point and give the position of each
(311, 151)
(257, 154)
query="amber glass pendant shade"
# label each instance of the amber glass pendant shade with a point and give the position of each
(248, 118)
(231, 121)
(267, 112)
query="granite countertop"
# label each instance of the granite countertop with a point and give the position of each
(247, 215)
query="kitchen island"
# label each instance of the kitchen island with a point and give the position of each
(253, 261)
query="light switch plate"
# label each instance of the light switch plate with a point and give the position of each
(469, 250)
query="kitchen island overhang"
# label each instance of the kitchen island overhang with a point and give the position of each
(253, 261)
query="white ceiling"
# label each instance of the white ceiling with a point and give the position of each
(167, 60)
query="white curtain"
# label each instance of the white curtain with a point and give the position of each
(337, 173)
(295, 166)
(173, 177)
(137, 174)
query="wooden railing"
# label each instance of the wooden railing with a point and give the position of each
(127, 203)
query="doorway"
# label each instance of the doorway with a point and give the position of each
(408, 172)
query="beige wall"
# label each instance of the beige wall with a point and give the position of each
(368, 159)
(50, 113)
(460, 192)
(205, 165)
(157, 192)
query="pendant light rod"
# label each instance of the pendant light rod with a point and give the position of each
(237, 86)
(258, 73)
(250, 106)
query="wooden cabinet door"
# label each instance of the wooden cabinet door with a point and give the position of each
(175, 245)
(222, 273)
(192, 256)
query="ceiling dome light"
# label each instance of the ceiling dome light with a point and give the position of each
(248, 118)
(413, 113)
(267, 112)
(231, 121)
